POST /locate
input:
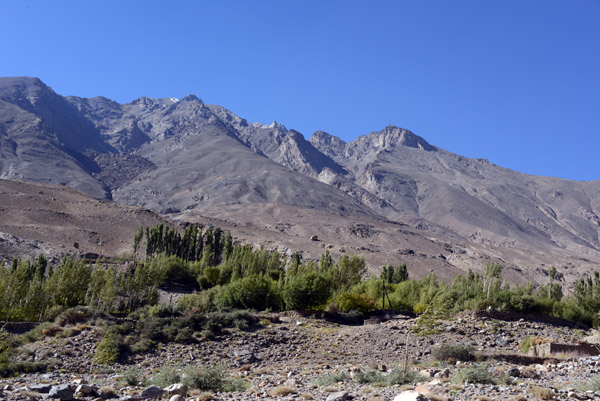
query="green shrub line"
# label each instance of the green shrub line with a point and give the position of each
(227, 277)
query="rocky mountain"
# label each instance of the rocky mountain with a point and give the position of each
(389, 195)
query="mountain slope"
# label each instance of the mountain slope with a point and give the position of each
(43, 138)
(389, 195)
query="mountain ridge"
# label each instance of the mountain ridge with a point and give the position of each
(186, 159)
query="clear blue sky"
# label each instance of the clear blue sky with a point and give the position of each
(513, 81)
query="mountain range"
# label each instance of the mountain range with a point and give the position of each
(389, 196)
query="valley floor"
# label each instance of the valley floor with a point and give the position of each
(302, 356)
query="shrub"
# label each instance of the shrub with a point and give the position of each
(453, 353)
(34, 334)
(369, 376)
(327, 380)
(211, 378)
(78, 314)
(141, 346)
(541, 392)
(591, 385)
(202, 302)
(398, 377)
(5, 346)
(166, 376)
(351, 301)
(109, 349)
(51, 330)
(306, 291)
(525, 345)
(476, 374)
(282, 391)
(252, 292)
(132, 377)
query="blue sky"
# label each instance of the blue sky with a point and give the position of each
(513, 81)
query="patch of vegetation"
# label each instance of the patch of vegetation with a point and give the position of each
(282, 391)
(399, 377)
(211, 378)
(333, 378)
(452, 353)
(109, 349)
(133, 377)
(368, 377)
(591, 385)
(239, 277)
(479, 374)
(542, 393)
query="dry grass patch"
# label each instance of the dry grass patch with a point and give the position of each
(541, 392)
(282, 391)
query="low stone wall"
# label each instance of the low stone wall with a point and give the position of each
(554, 349)
(18, 327)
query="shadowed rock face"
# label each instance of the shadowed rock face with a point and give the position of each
(193, 161)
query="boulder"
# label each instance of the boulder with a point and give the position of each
(85, 389)
(244, 356)
(338, 396)
(177, 389)
(153, 392)
(62, 392)
(41, 388)
(410, 396)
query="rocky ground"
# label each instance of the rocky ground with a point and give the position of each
(294, 357)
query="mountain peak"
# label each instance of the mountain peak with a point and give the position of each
(391, 136)
(328, 144)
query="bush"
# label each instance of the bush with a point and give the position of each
(5, 346)
(212, 378)
(78, 314)
(202, 302)
(476, 374)
(166, 376)
(306, 291)
(252, 292)
(398, 377)
(369, 376)
(451, 353)
(141, 346)
(132, 377)
(34, 334)
(351, 301)
(327, 380)
(282, 391)
(109, 349)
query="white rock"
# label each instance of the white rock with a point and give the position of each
(177, 389)
(410, 396)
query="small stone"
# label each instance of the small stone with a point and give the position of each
(41, 388)
(153, 392)
(177, 397)
(85, 389)
(62, 392)
(410, 396)
(338, 396)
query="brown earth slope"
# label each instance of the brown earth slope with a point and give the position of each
(57, 221)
